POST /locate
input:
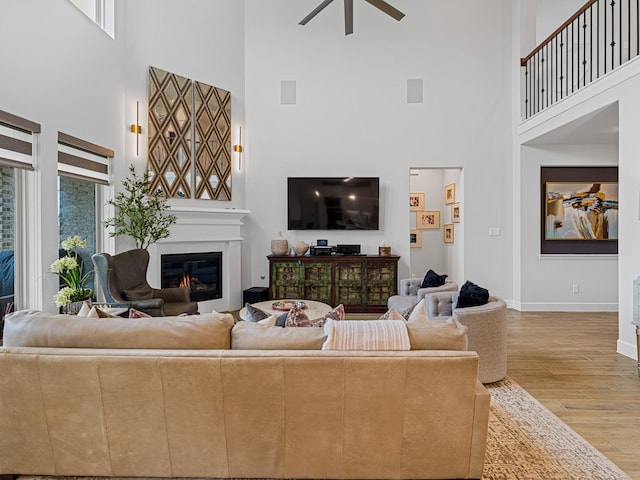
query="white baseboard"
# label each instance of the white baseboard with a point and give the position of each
(627, 349)
(564, 307)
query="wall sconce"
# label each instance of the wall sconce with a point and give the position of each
(137, 128)
(238, 148)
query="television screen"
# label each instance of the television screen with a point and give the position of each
(333, 203)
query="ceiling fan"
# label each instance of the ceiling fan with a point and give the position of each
(348, 12)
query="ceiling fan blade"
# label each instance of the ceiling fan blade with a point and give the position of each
(348, 17)
(386, 8)
(315, 11)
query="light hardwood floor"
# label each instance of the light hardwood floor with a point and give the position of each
(568, 362)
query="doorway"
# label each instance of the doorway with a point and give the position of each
(437, 222)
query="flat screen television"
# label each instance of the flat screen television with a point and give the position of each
(333, 203)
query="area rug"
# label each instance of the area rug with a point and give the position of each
(528, 442)
(525, 442)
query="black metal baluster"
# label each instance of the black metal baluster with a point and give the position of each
(555, 68)
(629, 29)
(613, 34)
(573, 54)
(561, 65)
(526, 89)
(604, 44)
(620, 32)
(598, 39)
(591, 43)
(585, 62)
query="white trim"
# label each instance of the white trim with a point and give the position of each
(568, 307)
(29, 267)
(627, 349)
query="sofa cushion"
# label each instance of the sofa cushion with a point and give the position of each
(472, 295)
(139, 292)
(438, 335)
(432, 279)
(256, 336)
(30, 328)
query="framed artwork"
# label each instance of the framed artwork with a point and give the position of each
(455, 213)
(415, 239)
(416, 201)
(579, 210)
(448, 233)
(428, 219)
(450, 193)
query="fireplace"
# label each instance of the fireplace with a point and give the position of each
(200, 271)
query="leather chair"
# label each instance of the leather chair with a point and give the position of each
(123, 278)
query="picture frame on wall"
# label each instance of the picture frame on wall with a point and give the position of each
(448, 233)
(578, 210)
(416, 201)
(415, 238)
(450, 194)
(428, 219)
(455, 213)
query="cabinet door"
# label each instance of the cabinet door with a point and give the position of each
(348, 283)
(380, 282)
(286, 280)
(317, 282)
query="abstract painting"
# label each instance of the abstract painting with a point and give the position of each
(581, 211)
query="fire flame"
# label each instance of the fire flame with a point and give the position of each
(186, 280)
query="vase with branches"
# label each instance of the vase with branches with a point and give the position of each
(139, 212)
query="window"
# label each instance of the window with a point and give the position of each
(17, 137)
(83, 172)
(100, 11)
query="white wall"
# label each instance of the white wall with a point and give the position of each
(351, 117)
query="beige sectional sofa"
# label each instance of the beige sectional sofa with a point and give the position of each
(171, 397)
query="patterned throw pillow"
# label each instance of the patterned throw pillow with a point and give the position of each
(298, 318)
(133, 313)
(394, 314)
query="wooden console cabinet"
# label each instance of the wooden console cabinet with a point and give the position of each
(362, 283)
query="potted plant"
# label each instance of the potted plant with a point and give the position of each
(70, 269)
(140, 213)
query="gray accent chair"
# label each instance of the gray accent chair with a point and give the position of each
(487, 332)
(123, 277)
(410, 292)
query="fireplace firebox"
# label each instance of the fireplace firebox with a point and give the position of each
(200, 271)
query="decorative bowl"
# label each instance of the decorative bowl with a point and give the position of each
(286, 305)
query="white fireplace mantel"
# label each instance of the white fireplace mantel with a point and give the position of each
(206, 229)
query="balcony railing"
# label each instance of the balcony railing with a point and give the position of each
(598, 38)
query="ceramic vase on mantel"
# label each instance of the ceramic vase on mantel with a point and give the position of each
(279, 245)
(300, 248)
